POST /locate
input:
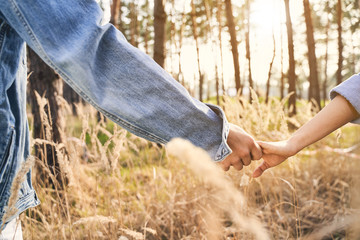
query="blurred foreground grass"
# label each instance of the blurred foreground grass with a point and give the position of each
(123, 187)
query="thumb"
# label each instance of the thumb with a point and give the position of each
(260, 169)
(267, 147)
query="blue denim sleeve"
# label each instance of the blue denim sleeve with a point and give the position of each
(349, 89)
(122, 82)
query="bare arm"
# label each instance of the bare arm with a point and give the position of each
(337, 113)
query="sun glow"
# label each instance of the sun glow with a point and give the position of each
(265, 15)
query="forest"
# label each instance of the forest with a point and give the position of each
(270, 64)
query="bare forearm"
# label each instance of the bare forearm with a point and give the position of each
(337, 113)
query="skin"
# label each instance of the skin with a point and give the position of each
(337, 113)
(244, 149)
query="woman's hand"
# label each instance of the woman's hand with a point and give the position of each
(274, 153)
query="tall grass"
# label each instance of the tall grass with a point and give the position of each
(123, 187)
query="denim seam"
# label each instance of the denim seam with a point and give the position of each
(23, 203)
(3, 28)
(7, 150)
(76, 88)
(9, 154)
(21, 200)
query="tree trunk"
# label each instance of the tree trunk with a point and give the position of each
(47, 118)
(218, 16)
(248, 52)
(70, 96)
(194, 28)
(180, 76)
(281, 62)
(159, 31)
(291, 72)
(172, 34)
(234, 43)
(314, 89)
(134, 31)
(340, 44)
(115, 13)
(213, 45)
(270, 68)
(324, 88)
(247, 40)
(147, 26)
(353, 54)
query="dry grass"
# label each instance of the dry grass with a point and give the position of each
(123, 187)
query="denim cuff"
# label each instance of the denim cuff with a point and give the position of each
(350, 90)
(224, 150)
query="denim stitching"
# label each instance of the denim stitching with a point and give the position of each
(8, 155)
(25, 202)
(224, 148)
(3, 29)
(76, 88)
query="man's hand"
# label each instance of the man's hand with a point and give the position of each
(244, 149)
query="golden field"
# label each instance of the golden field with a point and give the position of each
(122, 187)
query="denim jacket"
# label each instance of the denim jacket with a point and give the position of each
(122, 82)
(349, 89)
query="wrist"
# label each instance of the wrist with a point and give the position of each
(295, 144)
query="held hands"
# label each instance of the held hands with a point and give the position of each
(274, 153)
(337, 113)
(244, 149)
